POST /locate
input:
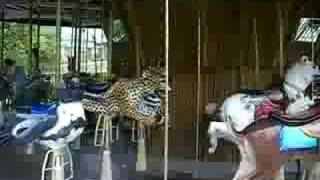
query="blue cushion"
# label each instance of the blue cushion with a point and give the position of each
(38, 108)
(293, 138)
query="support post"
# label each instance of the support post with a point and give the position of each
(30, 62)
(38, 39)
(95, 51)
(110, 35)
(106, 164)
(141, 164)
(138, 55)
(198, 81)
(79, 46)
(75, 38)
(281, 39)
(2, 37)
(55, 162)
(256, 45)
(166, 57)
(87, 41)
(58, 41)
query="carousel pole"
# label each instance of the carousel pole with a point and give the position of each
(87, 41)
(2, 35)
(29, 149)
(38, 37)
(102, 51)
(281, 37)
(58, 40)
(281, 174)
(95, 51)
(72, 32)
(79, 46)
(166, 57)
(75, 39)
(106, 164)
(110, 37)
(256, 45)
(141, 164)
(30, 62)
(199, 20)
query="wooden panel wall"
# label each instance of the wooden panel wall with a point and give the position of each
(227, 66)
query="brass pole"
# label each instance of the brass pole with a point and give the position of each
(166, 57)
(58, 41)
(30, 62)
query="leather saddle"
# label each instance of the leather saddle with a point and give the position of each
(98, 87)
(255, 92)
(308, 116)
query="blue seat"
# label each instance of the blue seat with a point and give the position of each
(293, 139)
(38, 108)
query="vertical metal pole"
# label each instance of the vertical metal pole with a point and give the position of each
(79, 47)
(102, 51)
(198, 81)
(87, 41)
(75, 38)
(256, 44)
(312, 42)
(38, 38)
(110, 33)
(58, 40)
(166, 55)
(30, 62)
(72, 35)
(95, 51)
(2, 37)
(281, 37)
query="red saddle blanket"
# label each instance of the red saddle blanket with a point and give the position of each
(267, 107)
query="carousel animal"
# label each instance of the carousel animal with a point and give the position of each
(53, 132)
(261, 127)
(138, 98)
(240, 108)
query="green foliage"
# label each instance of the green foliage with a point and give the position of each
(119, 32)
(17, 46)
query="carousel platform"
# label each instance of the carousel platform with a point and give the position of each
(15, 165)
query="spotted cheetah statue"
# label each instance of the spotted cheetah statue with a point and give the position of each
(139, 98)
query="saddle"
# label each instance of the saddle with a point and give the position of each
(38, 108)
(98, 87)
(305, 117)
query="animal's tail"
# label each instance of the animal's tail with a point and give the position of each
(96, 103)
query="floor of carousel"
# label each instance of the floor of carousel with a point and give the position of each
(14, 165)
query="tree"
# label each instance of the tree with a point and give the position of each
(16, 43)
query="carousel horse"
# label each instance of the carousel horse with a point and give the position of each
(242, 109)
(138, 98)
(269, 128)
(52, 131)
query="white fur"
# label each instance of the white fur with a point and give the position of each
(66, 114)
(247, 165)
(239, 110)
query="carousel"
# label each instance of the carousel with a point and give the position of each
(108, 90)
